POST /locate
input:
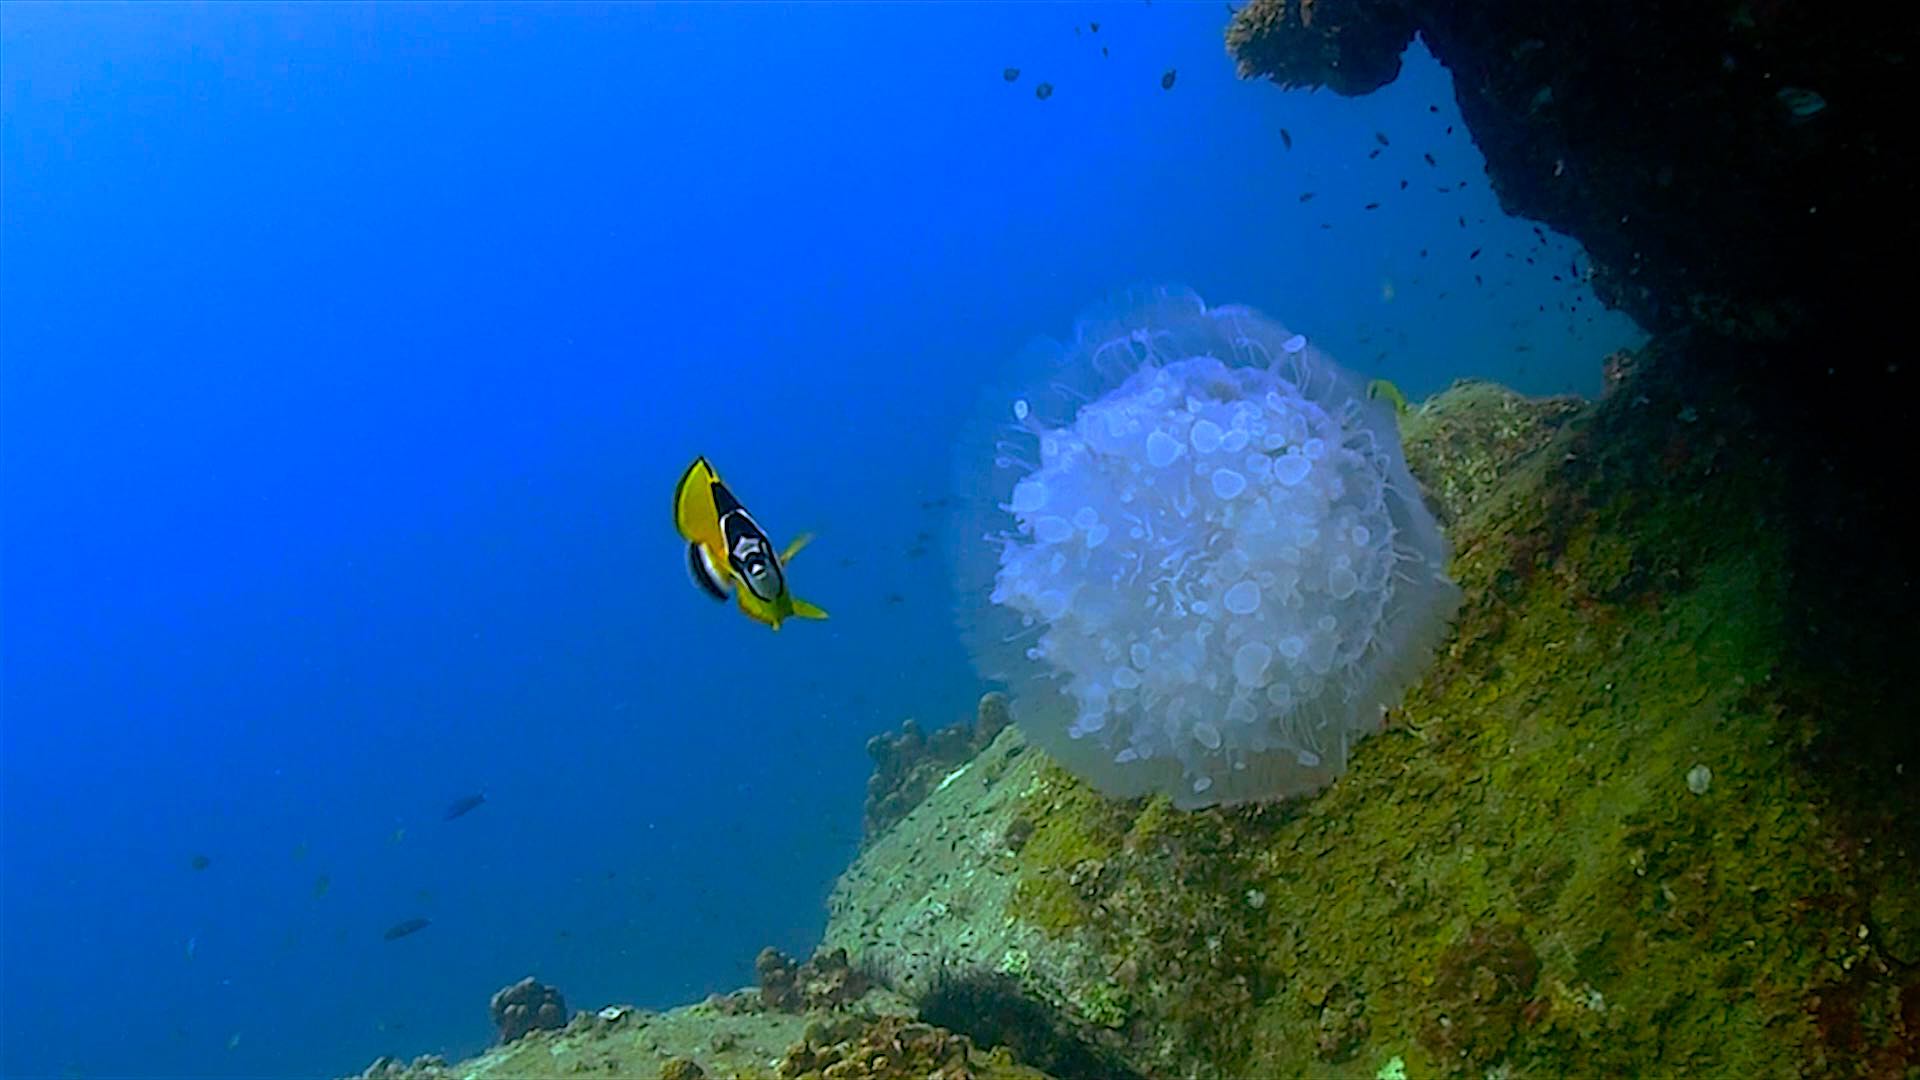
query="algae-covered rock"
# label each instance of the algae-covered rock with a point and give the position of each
(910, 764)
(899, 1048)
(1516, 877)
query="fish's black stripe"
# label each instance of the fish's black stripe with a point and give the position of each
(723, 501)
(697, 566)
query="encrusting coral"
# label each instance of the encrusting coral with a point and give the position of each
(526, 1006)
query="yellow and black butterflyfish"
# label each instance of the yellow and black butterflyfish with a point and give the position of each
(729, 553)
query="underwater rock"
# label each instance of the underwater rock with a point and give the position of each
(682, 1069)
(1479, 993)
(527, 1006)
(424, 1067)
(1665, 191)
(909, 765)
(899, 1048)
(1349, 46)
(1513, 854)
(827, 981)
(1463, 443)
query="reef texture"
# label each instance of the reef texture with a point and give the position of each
(1741, 174)
(1741, 164)
(526, 1006)
(872, 1037)
(1615, 831)
(909, 765)
(825, 982)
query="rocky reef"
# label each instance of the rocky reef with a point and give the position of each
(822, 1030)
(827, 981)
(1740, 173)
(910, 764)
(1602, 837)
(526, 1006)
(1739, 164)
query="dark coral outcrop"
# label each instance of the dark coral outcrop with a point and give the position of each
(527, 1006)
(910, 764)
(1740, 165)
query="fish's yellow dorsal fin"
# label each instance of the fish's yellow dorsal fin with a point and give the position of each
(693, 510)
(794, 548)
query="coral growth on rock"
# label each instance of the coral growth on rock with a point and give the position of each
(827, 981)
(1516, 878)
(908, 765)
(527, 1006)
(896, 1048)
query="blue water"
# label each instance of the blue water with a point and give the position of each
(348, 357)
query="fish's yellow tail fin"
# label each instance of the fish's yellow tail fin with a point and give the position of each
(804, 610)
(794, 548)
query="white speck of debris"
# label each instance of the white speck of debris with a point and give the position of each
(613, 1012)
(1256, 899)
(1699, 779)
(954, 775)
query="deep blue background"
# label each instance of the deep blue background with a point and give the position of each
(349, 356)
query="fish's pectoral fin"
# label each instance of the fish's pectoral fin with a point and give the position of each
(804, 610)
(794, 548)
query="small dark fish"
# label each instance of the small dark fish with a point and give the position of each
(1371, 206)
(1430, 160)
(1373, 153)
(200, 862)
(1166, 81)
(1043, 91)
(1472, 255)
(1462, 219)
(1286, 138)
(1094, 26)
(1103, 50)
(1433, 108)
(917, 551)
(405, 927)
(1449, 129)
(320, 886)
(1477, 281)
(1381, 138)
(464, 805)
(1011, 74)
(1403, 185)
(895, 598)
(1306, 196)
